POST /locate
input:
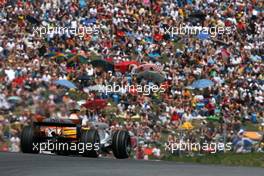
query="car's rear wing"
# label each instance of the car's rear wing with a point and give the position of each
(40, 121)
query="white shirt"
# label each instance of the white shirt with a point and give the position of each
(90, 71)
(93, 11)
(10, 45)
(10, 74)
(46, 78)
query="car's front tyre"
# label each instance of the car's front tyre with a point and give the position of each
(121, 144)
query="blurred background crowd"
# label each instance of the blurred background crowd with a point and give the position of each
(214, 86)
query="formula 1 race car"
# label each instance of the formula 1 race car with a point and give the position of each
(64, 136)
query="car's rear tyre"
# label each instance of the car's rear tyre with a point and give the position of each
(63, 151)
(91, 139)
(121, 144)
(28, 138)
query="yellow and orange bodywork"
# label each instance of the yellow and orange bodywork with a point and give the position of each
(66, 132)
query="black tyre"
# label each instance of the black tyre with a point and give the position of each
(121, 144)
(28, 138)
(63, 151)
(91, 139)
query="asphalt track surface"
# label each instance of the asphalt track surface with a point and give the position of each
(18, 164)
